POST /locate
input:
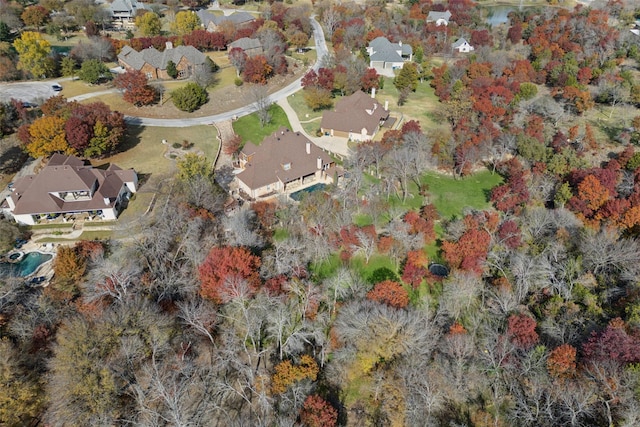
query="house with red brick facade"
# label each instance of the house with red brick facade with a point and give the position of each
(153, 63)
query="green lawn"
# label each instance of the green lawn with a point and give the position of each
(421, 104)
(249, 128)
(451, 196)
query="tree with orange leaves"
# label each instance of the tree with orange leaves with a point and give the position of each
(224, 270)
(389, 292)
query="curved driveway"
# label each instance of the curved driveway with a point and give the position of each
(321, 52)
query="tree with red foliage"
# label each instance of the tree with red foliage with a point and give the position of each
(613, 344)
(205, 40)
(509, 234)
(514, 34)
(522, 330)
(370, 80)
(469, 252)
(561, 363)
(317, 412)
(225, 270)
(415, 270)
(257, 70)
(420, 224)
(389, 292)
(481, 38)
(232, 145)
(326, 78)
(310, 79)
(238, 59)
(135, 87)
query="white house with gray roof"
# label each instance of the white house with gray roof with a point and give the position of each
(386, 55)
(153, 63)
(462, 46)
(123, 12)
(439, 18)
(212, 22)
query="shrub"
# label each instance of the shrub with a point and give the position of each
(190, 97)
(238, 81)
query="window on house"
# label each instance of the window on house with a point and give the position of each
(149, 75)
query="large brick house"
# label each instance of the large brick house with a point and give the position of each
(153, 63)
(357, 117)
(67, 186)
(283, 161)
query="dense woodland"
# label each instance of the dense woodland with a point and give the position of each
(324, 312)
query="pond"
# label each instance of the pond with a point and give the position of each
(438, 270)
(26, 266)
(497, 15)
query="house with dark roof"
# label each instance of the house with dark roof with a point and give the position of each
(249, 46)
(124, 12)
(462, 46)
(153, 63)
(439, 18)
(283, 161)
(211, 22)
(384, 54)
(67, 186)
(357, 117)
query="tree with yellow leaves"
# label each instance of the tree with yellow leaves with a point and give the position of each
(185, 23)
(47, 136)
(34, 53)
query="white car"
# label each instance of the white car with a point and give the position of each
(56, 87)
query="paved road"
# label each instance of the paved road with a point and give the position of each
(35, 92)
(321, 50)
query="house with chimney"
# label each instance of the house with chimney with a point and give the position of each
(66, 185)
(251, 47)
(283, 161)
(153, 63)
(357, 117)
(386, 55)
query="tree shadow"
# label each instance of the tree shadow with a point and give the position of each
(131, 138)
(12, 159)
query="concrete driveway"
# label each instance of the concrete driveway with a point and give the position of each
(34, 91)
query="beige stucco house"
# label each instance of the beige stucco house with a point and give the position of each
(357, 117)
(67, 186)
(282, 162)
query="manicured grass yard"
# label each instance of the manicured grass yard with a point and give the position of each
(143, 149)
(451, 196)
(249, 128)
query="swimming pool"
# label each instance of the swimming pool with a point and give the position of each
(24, 267)
(298, 195)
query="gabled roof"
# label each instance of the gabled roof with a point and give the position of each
(460, 42)
(123, 6)
(237, 18)
(38, 194)
(384, 50)
(266, 161)
(159, 60)
(354, 113)
(245, 43)
(434, 16)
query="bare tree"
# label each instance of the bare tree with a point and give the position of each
(199, 315)
(259, 95)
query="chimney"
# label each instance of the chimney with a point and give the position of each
(308, 148)
(168, 45)
(319, 163)
(373, 92)
(400, 43)
(106, 201)
(386, 105)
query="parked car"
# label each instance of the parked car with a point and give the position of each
(56, 87)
